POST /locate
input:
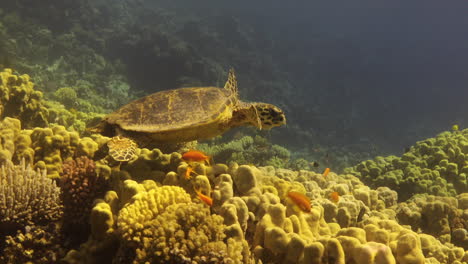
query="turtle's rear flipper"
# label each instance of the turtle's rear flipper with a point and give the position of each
(101, 152)
(101, 127)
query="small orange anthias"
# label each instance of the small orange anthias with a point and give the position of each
(195, 155)
(302, 201)
(325, 172)
(205, 198)
(188, 173)
(335, 197)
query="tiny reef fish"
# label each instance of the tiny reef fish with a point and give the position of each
(302, 201)
(195, 155)
(325, 172)
(335, 197)
(188, 172)
(455, 127)
(314, 164)
(205, 198)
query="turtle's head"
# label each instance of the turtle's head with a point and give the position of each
(269, 116)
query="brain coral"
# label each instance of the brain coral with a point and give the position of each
(27, 197)
(437, 166)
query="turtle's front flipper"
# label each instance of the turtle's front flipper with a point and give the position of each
(121, 148)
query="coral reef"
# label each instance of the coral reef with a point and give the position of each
(66, 62)
(35, 244)
(45, 148)
(151, 211)
(81, 185)
(148, 210)
(19, 100)
(442, 217)
(27, 197)
(198, 238)
(435, 166)
(185, 231)
(248, 150)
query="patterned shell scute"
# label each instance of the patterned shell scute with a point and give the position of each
(173, 109)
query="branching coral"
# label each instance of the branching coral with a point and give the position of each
(27, 197)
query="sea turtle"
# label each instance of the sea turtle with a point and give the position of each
(183, 115)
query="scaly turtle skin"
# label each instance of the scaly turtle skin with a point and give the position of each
(187, 114)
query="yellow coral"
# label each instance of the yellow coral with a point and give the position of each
(163, 225)
(145, 206)
(187, 232)
(18, 99)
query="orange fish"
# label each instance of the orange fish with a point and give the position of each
(335, 197)
(325, 172)
(188, 173)
(205, 198)
(300, 200)
(195, 155)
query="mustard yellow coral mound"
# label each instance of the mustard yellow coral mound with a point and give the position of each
(45, 148)
(151, 164)
(187, 233)
(144, 207)
(52, 146)
(18, 99)
(15, 143)
(162, 225)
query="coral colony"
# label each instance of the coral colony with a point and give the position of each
(63, 198)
